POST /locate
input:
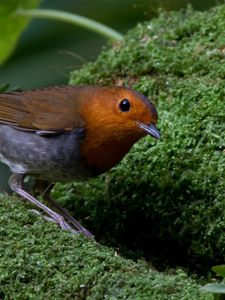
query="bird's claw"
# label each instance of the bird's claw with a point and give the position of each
(58, 219)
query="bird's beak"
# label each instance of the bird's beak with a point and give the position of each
(150, 129)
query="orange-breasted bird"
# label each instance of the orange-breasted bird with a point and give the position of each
(65, 133)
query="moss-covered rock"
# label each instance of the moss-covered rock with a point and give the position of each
(167, 197)
(40, 261)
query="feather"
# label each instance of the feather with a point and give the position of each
(48, 110)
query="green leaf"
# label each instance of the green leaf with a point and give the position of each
(216, 288)
(12, 26)
(4, 87)
(7, 88)
(220, 270)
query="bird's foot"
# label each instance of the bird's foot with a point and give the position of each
(74, 228)
(66, 215)
(59, 220)
(15, 182)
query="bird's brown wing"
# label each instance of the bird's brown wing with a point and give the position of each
(52, 109)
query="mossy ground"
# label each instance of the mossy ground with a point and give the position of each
(40, 261)
(164, 202)
(167, 197)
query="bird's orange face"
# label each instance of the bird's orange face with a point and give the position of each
(115, 119)
(120, 111)
(136, 113)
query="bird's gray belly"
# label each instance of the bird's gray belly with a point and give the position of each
(51, 157)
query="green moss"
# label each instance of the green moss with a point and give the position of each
(40, 261)
(168, 197)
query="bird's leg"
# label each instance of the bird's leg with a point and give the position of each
(15, 183)
(64, 212)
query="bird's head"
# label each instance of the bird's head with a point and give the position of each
(119, 112)
(115, 118)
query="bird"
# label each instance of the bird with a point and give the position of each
(68, 133)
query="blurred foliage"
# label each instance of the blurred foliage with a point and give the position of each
(11, 26)
(48, 50)
(168, 197)
(220, 270)
(4, 87)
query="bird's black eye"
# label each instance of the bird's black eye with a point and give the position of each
(124, 105)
